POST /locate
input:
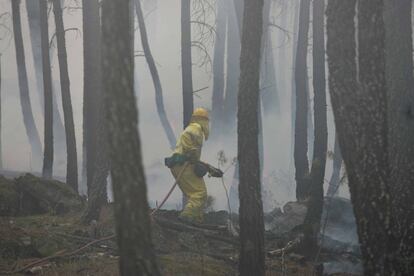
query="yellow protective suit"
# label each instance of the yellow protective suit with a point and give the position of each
(189, 144)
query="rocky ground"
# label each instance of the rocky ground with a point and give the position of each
(50, 240)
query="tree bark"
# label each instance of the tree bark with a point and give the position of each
(47, 171)
(31, 130)
(72, 163)
(155, 76)
(1, 140)
(317, 174)
(92, 85)
(252, 257)
(334, 182)
(130, 195)
(217, 106)
(186, 62)
(400, 108)
(301, 118)
(361, 122)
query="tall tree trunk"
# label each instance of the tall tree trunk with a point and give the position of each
(97, 189)
(400, 96)
(239, 7)
(334, 182)
(268, 83)
(128, 179)
(33, 15)
(31, 130)
(361, 123)
(47, 171)
(233, 46)
(252, 257)
(72, 163)
(92, 86)
(186, 61)
(217, 106)
(155, 76)
(301, 118)
(317, 174)
(1, 140)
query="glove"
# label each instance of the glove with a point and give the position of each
(214, 172)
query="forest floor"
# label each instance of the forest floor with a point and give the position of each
(182, 249)
(56, 243)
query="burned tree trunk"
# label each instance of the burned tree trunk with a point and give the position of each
(362, 127)
(155, 76)
(47, 171)
(92, 86)
(252, 256)
(400, 108)
(130, 195)
(72, 163)
(31, 130)
(335, 180)
(217, 105)
(186, 62)
(301, 114)
(317, 174)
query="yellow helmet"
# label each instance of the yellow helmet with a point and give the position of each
(201, 113)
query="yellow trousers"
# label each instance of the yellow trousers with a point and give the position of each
(195, 190)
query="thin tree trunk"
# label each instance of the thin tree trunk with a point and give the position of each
(92, 86)
(72, 163)
(47, 171)
(186, 62)
(33, 15)
(133, 226)
(155, 76)
(233, 70)
(334, 182)
(301, 118)
(317, 175)
(31, 130)
(239, 7)
(268, 83)
(252, 257)
(400, 84)
(217, 106)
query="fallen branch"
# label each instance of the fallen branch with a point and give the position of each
(290, 246)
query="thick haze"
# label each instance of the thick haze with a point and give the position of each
(163, 25)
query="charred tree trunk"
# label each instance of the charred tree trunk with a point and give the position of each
(31, 130)
(317, 174)
(217, 106)
(252, 258)
(130, 195)
(301, 117)
(232, 68)
(400, 96)
(92, 86)
(155, 76)
(334, 182)
(97, 189)
(1, 140)
(362, 127)
(47, 171)
(72, 163)
(186, 62)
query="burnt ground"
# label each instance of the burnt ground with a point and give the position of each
(182, 249)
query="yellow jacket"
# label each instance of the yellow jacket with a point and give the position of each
(191, 141)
